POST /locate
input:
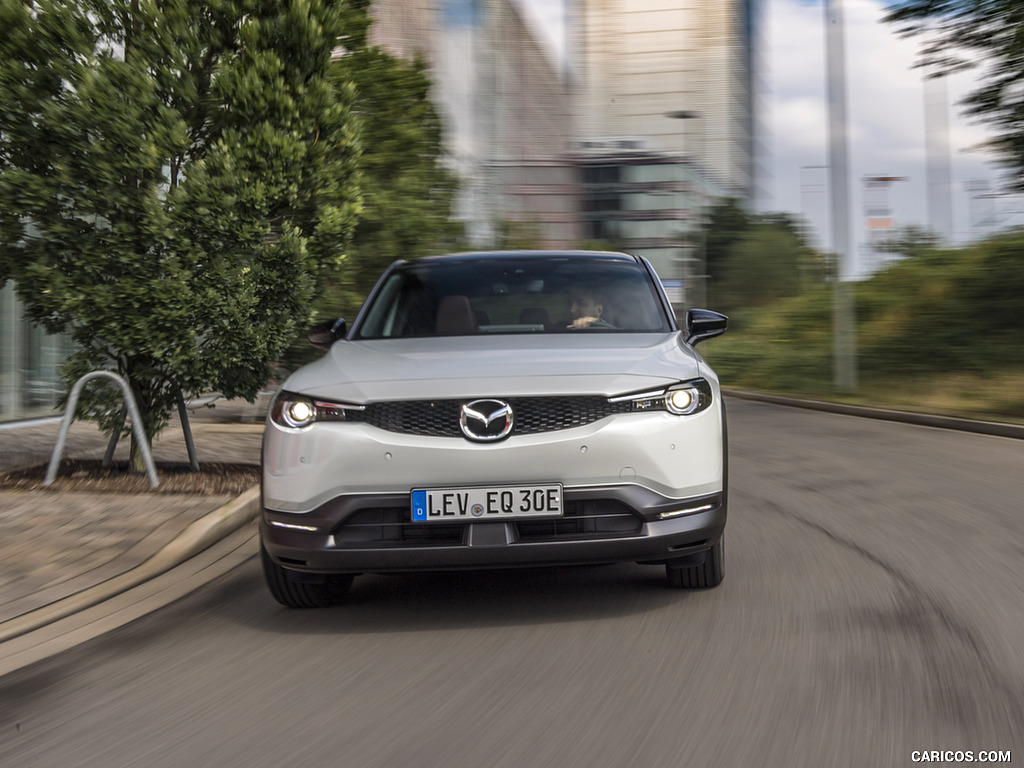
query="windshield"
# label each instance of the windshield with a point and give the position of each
(514, 295)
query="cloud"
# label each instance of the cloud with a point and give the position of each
(548, 19)
(885, 111)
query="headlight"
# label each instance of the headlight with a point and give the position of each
(683, 399)
(298, 411)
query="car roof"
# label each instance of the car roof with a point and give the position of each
(497, 255)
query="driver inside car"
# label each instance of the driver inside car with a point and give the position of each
(586, 307)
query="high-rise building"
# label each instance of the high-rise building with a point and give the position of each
(678, 73)
(649, 203)
(664, 120)
(506, 112)
(625, 147)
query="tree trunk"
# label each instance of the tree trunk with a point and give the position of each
(136, 463)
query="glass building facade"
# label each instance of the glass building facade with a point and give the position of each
(507, 113)
(677, 73)
(651, 204)
(30, 360)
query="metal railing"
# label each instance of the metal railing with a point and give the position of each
(132, 411)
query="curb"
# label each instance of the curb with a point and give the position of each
(199, 536)
(996, 428)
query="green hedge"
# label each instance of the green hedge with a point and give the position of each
(943, 314)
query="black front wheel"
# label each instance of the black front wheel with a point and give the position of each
(708, 574)
(293, 591)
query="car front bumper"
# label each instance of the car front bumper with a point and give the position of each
(603, 524)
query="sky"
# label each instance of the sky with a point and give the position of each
(885, 107)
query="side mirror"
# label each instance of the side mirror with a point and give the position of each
(704, 324)
(323, 335)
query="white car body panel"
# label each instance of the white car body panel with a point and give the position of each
(306, 468)
(510, 366)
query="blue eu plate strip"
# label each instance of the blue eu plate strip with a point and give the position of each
(419, 506)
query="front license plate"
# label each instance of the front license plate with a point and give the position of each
(438, 505)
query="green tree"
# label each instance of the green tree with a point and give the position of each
(762, 267)
(408, 190)
(965, 33)
(175, 178)
(911, 241)
(726, 225)
(754, 259)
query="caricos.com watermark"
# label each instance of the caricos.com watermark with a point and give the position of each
(960, 756)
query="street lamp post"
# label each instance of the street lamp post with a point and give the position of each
(845, 350)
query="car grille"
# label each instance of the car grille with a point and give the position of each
(582, 520)
(440, 418)
(392, 526)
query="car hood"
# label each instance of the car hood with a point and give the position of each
(496, 366)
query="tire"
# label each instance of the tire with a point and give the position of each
(290, 591)
(704, 576)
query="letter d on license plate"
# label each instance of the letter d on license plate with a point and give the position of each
(439, 505)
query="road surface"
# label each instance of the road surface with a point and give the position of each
(873, 608)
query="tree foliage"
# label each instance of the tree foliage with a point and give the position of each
(958, 34)
(763, 266)
(408, 190)
(928, 321)
(727, 222)
(175, 178)
(911, 242)
(754, 259)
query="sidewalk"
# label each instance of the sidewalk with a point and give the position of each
(58, 545)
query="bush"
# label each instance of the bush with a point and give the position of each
(943, 314)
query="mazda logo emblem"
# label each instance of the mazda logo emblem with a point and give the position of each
(486, 420)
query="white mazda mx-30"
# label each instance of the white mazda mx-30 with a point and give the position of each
(496, 410)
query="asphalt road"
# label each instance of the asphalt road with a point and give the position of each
(873, 607)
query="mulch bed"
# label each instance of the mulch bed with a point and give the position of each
(89, 476)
